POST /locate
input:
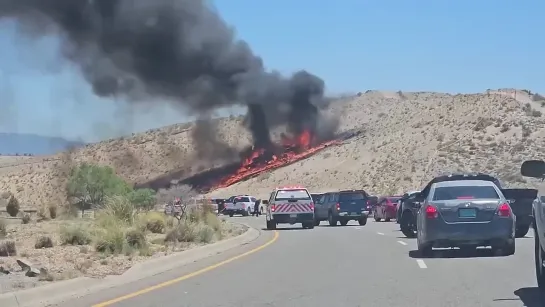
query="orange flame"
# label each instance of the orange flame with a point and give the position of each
(294, 149)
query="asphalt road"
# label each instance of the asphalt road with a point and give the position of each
(356, 265)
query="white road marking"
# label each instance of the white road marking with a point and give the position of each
(421, 264)
(380, 233)
(401, 242)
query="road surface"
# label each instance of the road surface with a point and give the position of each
(356, 265)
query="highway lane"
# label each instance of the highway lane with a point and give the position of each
(368, 265)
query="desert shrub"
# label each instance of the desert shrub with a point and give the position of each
(26, 218)
(119, 207)
(183, 232)
(13, 206)
(53, 210)
(136, 238)
(43, 242)
(75, 234)
(110, 240)
(154, 222)
(7, 249)
(204, 233)
(3, 228)
(213, 221)
(43, 214)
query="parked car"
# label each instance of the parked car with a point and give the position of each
(386, 208)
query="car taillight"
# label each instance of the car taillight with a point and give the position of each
(504, 210)
(311, 206)
(273, 207)
(338, 207)
(431, 212)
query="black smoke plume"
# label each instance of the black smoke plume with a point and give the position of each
(176, 50)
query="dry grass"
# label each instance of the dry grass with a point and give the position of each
(107, 245)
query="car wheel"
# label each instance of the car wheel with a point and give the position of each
(539, 255)
(406, 226)
(344, 223)
(271, 225)
(332, 221)
(377, 219)
(506, 250)
(425, 249)
(522, 231)
(362, 221)
(231, 214)
(309, 225)
(316, 222)
(386, 220)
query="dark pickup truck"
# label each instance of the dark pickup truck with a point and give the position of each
(521, 203)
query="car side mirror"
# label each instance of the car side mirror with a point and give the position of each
(533, 168)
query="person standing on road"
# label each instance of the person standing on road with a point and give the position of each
(256, 207)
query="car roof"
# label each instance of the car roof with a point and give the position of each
(460, 177)
(461, 183)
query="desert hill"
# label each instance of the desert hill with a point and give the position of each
(407, 137)
(22, 143)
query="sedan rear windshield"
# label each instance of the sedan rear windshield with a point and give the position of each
(351, 196)
(292, 194)
(465, 192)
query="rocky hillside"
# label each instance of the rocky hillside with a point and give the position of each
(408, 137)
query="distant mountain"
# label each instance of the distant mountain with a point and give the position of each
(15, 143)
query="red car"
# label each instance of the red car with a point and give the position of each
(386, 208)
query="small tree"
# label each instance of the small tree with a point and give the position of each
(13, 206)
(143, 199)
(90, 184)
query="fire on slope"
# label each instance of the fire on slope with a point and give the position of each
(260, 160)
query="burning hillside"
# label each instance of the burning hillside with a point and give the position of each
(261, 160)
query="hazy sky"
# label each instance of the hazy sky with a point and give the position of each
(354, 45)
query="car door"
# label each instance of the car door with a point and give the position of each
(539, 212)
(323, 206)
(318, 207)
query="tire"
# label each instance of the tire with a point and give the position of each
(308, 225)
(245, 213)
(386, 220)
(231, 214)
(425, 250)
(331, 220)
(344, 223)
(522, 231)
(507, 250)
(377, 219)
(362, 221)
(316, 222)
(539, 256)
(271, 225)
(405, 226)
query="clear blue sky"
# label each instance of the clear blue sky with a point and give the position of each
(354, 45)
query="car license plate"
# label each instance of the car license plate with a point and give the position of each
(467, 213)
(293, 215)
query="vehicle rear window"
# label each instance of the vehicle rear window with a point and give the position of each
(292, 194)
(316, 197)
(242, 199)
(465, 192)
(351, 196)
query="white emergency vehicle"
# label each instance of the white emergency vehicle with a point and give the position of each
(290, 205)
(241, 204)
